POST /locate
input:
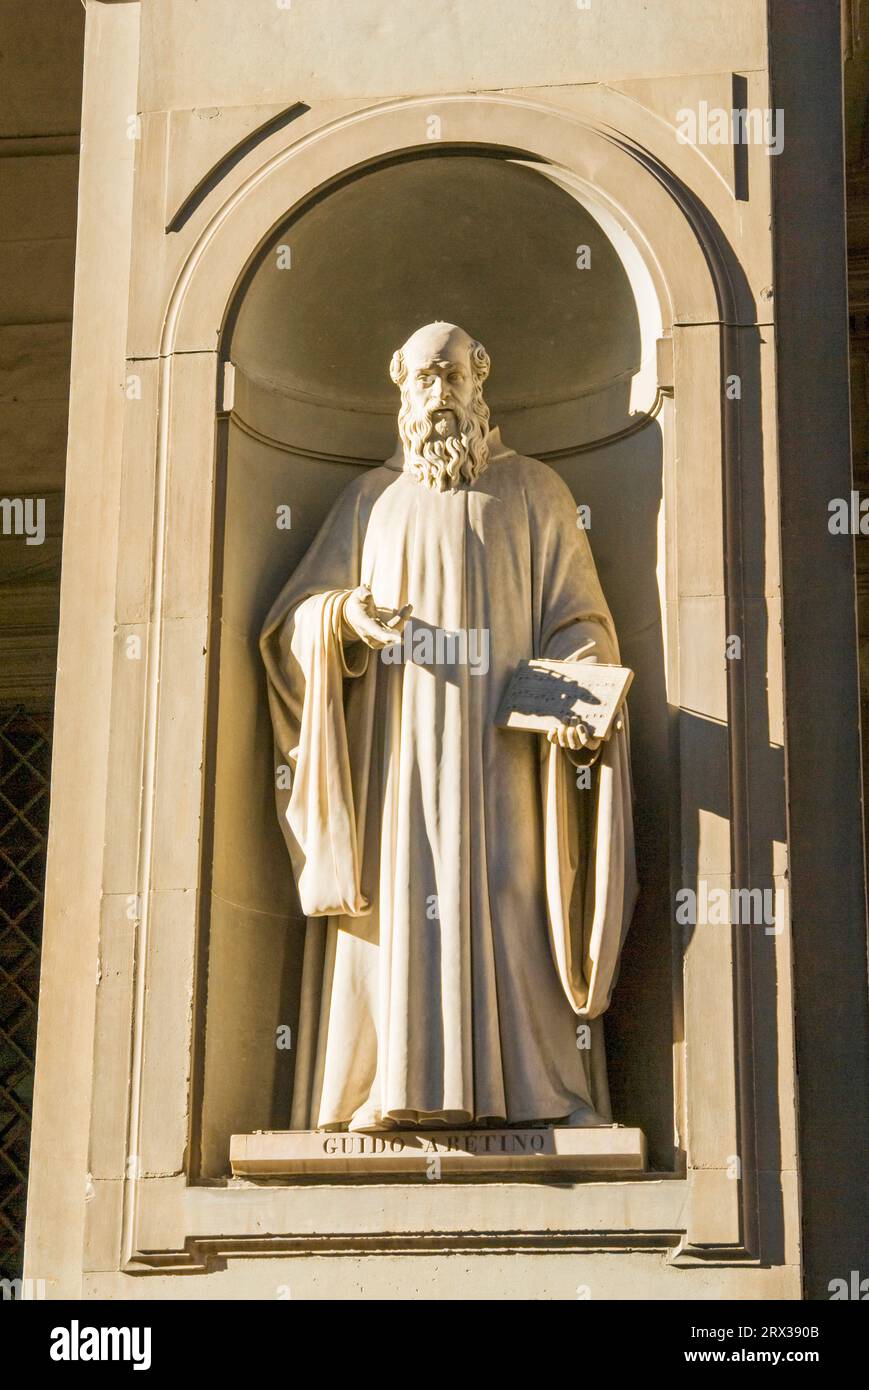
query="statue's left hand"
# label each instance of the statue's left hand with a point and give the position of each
(577, 736)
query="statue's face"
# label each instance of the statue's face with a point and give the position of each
(443, 422)
(441, 387)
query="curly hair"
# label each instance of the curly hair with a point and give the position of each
(480, 361)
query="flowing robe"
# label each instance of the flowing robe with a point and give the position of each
(466, 900)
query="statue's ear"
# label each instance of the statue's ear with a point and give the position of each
(481, 363)
(398, 368)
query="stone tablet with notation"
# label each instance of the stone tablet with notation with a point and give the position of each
(543, 694)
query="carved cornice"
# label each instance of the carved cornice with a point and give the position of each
(388, 408)
(303, 451)
(205, 1256)
(639, 422)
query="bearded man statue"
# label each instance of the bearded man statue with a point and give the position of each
(467, 891)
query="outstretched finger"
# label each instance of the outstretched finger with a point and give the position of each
(394, 618)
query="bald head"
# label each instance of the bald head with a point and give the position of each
(440, 343)
(444, 421)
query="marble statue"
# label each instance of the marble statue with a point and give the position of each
(467, 894)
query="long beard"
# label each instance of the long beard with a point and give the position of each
(441, 462)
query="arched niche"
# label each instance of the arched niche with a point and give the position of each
(537, 266)
(192, 1083)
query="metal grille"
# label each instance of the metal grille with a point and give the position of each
(25, 751)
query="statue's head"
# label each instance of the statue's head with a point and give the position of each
(444, 421)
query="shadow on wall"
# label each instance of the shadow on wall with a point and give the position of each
(622, 487)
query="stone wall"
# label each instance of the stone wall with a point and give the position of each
(207, 137)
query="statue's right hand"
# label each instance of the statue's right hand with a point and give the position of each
(365, 622)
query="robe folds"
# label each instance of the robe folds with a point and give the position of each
(466, 900)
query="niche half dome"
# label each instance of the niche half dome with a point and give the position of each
(489, 243)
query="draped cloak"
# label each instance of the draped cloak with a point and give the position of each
(466, 900)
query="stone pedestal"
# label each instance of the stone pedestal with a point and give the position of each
(279, 1153)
